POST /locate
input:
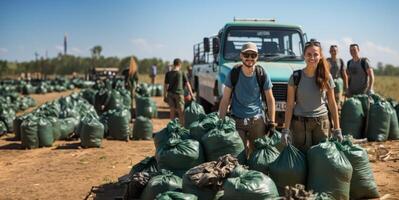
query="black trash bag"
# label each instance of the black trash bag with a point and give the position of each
(148, 164)
(222, 140)
(192, 113)
(142, 129)
(179, 155)
(172, 130)
(289, 168)
(263, 155)
(138, 182)
(102, 99)
(249, 184)
(329, 170)
(352, 118)
(29, 133)
(363, 185)
(172, 195)
(89, 95)
(161, 183)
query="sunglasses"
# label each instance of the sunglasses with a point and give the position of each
(315, 43)
(252, 55)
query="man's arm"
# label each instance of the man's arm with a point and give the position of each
(224, 103)
(370, 73)
(188, 85)
(271, 105)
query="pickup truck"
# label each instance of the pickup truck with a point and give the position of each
(280, 49)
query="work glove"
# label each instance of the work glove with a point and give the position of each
(370, 92)
(337, 134)
(286, 136)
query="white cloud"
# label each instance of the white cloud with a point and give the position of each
(3, 51)
(76, 50)
(372, 50)
(145, 48)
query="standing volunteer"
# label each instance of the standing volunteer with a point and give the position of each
(175, 80)
(359, 72)
(131, 79)
(246, 86)
(337, 70)
(310, 91)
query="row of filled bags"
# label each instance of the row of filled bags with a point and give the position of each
(370, 117)
(349, 173)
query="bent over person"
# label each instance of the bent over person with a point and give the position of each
(309, 90)
(245, 86)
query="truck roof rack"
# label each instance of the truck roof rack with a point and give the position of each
(254, 19)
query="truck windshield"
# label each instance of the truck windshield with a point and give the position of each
(273, 44)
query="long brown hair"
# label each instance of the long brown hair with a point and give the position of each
(323, 67)
(132, 66)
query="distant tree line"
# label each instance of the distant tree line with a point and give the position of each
(67, 64)
(386, 70)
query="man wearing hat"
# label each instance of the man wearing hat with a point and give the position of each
(246, 85)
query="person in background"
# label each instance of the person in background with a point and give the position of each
(175, 81)
(337, 70)
(131, 80)
(244, 94)
(310, 91)
(153, 73)
(360, 74)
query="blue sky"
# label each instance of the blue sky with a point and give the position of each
(168, 29)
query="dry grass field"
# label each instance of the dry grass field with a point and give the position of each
(387, 86)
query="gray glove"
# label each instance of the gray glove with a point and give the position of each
(337, 134)
(286, 136)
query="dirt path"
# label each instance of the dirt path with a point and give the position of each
(66, 171)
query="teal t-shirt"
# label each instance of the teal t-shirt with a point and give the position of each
(310, 100)
(246, 100)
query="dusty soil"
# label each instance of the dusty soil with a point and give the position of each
(66, 171)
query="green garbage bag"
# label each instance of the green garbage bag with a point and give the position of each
(115, 101)
(17, 125)
(393, 126)
(339, 85)
(67, 127)
(352, 118)
(249, 184)
(91, 131)
(263, 155)
(180, 155)
(329, 170)
(145, 107)
(159, 184)
(363, 185)
(159, 90)
(118, 124)
(365, 100)
(7, 115)
(203, 125)
(276, 141)
(126, 98)
(222, 140)
(172, 130)
(102, 99)
(29, 133)
(172, 195)
(142, 129)
(288, 169)
(3, 128)
(45, 132)
(192, 113)
(89, 95)
(378, 121)
(56, 127)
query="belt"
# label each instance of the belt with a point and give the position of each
(301, 118)
(248, 119)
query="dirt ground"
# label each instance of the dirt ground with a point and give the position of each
(66, 171)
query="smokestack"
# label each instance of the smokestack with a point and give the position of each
(65, 44)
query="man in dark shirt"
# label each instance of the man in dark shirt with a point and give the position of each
(175, 80)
